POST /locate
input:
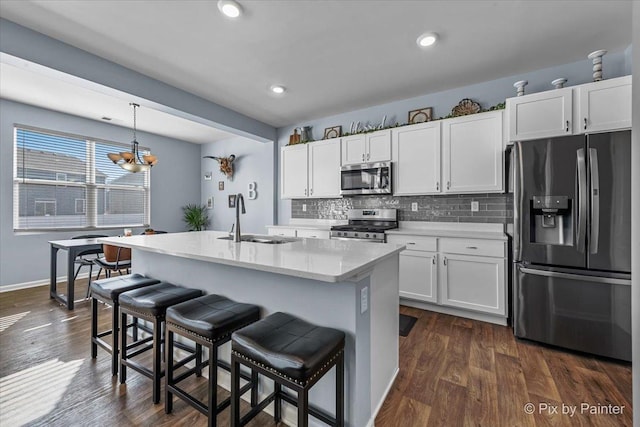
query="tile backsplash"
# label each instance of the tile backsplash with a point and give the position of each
(495, 208)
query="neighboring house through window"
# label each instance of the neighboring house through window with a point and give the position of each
(64, 181)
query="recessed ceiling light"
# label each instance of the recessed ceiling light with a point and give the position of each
(229, 8)
(278, 89)
(427, 39)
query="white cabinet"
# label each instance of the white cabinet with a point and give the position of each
(591, 107)
(604, 105)
(324, 168)
(294, 170)
(472, 159)
(367, 148)
(416, 159)
(540, 115)
(473, 283)
(418, 275)
(310, 170)
(454, 275)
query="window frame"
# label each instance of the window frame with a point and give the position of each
(89, 184)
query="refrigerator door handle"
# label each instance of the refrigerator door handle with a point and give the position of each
(582, 200)
(556, 274)
(516, 159)
(595, 200)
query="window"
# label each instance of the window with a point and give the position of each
(66, 181)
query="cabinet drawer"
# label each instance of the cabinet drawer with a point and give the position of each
(288, 232)
(493, 248)
(313, 234)
(414, 243)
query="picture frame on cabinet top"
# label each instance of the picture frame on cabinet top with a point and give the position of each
(421, 115)
(332, 132)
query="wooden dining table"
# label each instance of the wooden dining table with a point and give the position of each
(73, 248)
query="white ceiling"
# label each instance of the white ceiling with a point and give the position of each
(333, 56)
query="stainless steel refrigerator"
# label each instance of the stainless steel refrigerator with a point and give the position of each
(572, 242)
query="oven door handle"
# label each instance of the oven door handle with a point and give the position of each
(356, 239)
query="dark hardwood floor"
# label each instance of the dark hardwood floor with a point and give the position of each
(453, 372)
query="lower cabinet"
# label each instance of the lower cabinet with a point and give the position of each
(473, 282)
(419, 275)
(465, 274)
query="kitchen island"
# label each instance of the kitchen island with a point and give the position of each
(351, 286)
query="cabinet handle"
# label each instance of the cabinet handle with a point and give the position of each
(585, 123)
(567, 129)
(312, 191)
(305, 191)
(472, 247)
(448, 185)
(444, 260)
(438, 186)
(363, 157)
(410, 243)
(368, 156)
(433, 260)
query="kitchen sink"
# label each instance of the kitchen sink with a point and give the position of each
(269, 240)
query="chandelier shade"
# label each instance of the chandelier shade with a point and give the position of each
(130, 160)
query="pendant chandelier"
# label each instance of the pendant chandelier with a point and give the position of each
(130, 160)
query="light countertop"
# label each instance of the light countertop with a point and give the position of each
(318, 259)
(461, 230)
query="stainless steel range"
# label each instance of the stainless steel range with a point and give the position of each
(366, 225)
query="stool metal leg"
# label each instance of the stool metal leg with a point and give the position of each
(303, 407)
(340, 391)
(254, 388)
(213, 388)
(94, 327)
(115, 329)
(198, 361)
(235, 391)
(123, 348)
(168, 398)
(277, 405)
(157, 359)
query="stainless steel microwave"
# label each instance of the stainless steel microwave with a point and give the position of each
(366, 178)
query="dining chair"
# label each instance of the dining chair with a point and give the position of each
(85, 258)
(116, 258)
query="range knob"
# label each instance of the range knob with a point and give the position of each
(367, 235)
(356, 234)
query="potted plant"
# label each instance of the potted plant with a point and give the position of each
(196, 217)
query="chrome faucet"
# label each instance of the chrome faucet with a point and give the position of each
(239, 199)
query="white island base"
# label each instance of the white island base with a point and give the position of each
(364, 306)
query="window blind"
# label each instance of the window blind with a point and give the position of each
(64, 181)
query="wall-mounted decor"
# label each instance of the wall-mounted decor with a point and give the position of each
(210, 203)
(253, 192)
(226, 164)
(207, 176)
(232, 200)
(421, 115)
(465, 107)
(221, 185)
(332, 132)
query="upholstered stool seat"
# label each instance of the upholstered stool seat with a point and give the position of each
(208, 320)
(108, 291)
(293, 353)
(149, 303)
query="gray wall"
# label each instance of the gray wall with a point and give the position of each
(635, 211)
(174, 183)
(496, 208)
(487, 94)
(254, 163)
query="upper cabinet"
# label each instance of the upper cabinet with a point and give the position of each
(604, 105)
(310, 170)
(473, 160)
(592, 107)
(367, 148)
(540, 115)
(416, 158)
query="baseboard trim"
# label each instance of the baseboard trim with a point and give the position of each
(372, 420)
(37, 283)
(490, 318)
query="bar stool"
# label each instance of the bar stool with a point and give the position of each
(108, 291)
(293, 353)
(208, 320)
(150, 303)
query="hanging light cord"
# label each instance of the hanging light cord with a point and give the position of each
(134, 147)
